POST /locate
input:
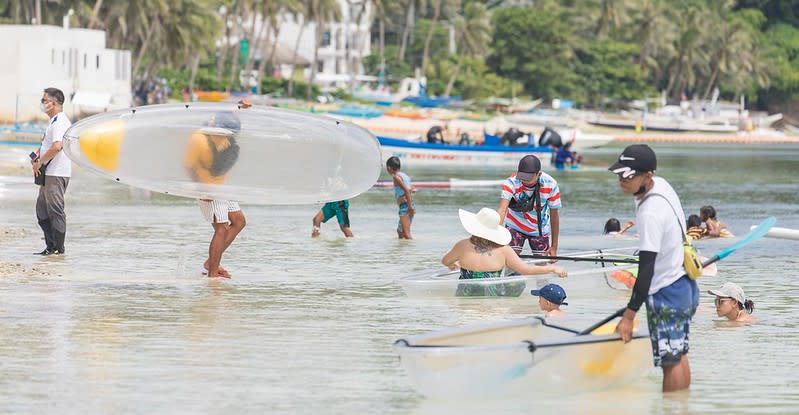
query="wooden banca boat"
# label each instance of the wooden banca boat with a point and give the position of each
(429, 154)
(532, 358)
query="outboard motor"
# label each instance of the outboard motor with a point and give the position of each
(550, 138)
(510, 136)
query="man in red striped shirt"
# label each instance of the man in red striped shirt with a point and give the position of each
(529, 205)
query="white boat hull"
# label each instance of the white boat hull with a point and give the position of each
(424, 154)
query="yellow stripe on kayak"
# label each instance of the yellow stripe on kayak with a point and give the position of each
(101, 144)
(602, 358)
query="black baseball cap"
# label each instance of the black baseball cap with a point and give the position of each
(635, 159)
(528, 167)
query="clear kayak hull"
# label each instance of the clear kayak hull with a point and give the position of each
(520, 357)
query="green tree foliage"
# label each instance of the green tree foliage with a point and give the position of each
(777, 11)
(607, 70)
(533, 46)
(783, 54)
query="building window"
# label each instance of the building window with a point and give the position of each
(320, 66)
(63, 57)
(84, 61)
(325, 39)
(52, 56)
(97, 62)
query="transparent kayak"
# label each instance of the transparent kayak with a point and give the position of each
(443, 282)
(446, 283)
(533, 358)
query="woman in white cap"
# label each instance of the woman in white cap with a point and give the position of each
(486, 253)
(731, 302)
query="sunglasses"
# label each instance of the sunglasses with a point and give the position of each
(720, 300)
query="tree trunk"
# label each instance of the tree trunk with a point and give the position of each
(382, 45)
(145, 44)
(409, 19)
(355, 64)
(222, 58)
(317, 41)
(454, 76)
(234, 67)
(255, 41)
(429, 38)
(294, 59)
(712, 80)
(95, 11)
(271, 59)
(194, 66)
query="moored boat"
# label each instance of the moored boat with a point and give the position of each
(446, 184)
(429, 154)
(531, 358)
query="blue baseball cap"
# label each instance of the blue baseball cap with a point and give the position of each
(553, 293)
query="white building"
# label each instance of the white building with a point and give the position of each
(347, 37)
(76, 61)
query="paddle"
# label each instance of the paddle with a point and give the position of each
(754, 234)
(585, 259)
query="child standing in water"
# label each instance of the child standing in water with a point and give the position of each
(402, 193)
(714, 227)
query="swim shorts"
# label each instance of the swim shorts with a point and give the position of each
(537, 244)
(338, 209)
(669, 313)
(403, 211)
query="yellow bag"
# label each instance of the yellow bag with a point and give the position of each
(691, 262)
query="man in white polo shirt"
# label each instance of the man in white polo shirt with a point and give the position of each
(671, 297)
(52, 170)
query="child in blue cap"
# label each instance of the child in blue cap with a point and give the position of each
(550, 298)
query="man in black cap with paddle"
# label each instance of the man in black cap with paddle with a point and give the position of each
(671, 296)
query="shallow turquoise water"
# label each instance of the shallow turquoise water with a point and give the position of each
(124, 325)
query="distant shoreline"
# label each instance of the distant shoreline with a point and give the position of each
(21, 138)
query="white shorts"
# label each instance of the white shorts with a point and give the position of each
(216, 211)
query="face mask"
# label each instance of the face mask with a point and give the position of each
(43, 108)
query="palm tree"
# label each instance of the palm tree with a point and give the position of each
(612, 14)
(433, 24)
(733, 49)
(654, 32)
(472, 36)
(410, 18)
(321, 12)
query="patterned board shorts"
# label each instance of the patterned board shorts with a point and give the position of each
(216, 211)
(669, 313)
(537, 243)
(403, 211)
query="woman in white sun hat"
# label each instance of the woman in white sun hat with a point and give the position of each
(486, 253)
(731, 302)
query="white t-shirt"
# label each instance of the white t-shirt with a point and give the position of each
(61, 165)
(660, 231)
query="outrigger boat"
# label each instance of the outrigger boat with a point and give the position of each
(446, 184)
(533, 358)
(429, 154)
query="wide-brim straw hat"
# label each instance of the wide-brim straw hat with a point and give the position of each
(485, 224)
